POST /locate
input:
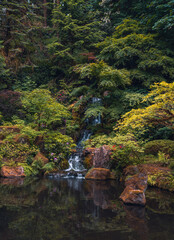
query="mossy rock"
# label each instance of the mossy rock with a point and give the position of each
(88, 162)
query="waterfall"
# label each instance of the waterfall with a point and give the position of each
(96, 120)
(75, 160)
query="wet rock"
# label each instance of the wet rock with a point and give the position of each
(101, 157)
(41, 157)
(10, 172)
(138, 181)
(134, 193)
(98, 174)
(132, 196)
(87, 151)
(88, 155)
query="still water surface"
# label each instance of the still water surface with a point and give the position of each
(74, 209)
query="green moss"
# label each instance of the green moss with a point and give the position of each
(161, 180)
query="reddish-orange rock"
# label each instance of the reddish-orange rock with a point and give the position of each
(98, 174)
(88, 154)
(137, 181)
(133, 196)
(41, 157)
(134, 193)
(10, 172)
(101, 157)
(130, 170)
(98, 157)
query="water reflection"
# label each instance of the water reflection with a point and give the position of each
(102, 192)
(136, 219)
(77, 209)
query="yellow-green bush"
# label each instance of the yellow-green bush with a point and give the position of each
(165, 146)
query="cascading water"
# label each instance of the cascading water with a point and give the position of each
(75, 161)
(96, 120)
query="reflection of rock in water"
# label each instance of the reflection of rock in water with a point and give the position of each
(135, 217)
(99, 192)
(17, 181)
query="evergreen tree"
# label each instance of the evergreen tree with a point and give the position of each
(147, 59)
(75, 31)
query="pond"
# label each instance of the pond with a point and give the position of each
(76, 209)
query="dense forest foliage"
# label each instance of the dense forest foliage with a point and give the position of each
(56, 55)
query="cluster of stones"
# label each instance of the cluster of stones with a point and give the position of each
(135, 182)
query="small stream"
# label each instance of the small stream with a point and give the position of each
(77, 209)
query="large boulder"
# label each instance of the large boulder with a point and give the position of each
(158, 175)
(11, 172)
(101, 157)
(98, 174)
(134, 193)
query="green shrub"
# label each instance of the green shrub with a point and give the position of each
(58, 145)
(37, 166)
(123, 156)
(11, 151)
(149, 158)
(34, 169)
(49, 167)
(171, 165)
(155, 146)
(4, 133)
(28, 171)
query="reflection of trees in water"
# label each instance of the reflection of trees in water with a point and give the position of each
(69, 209)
